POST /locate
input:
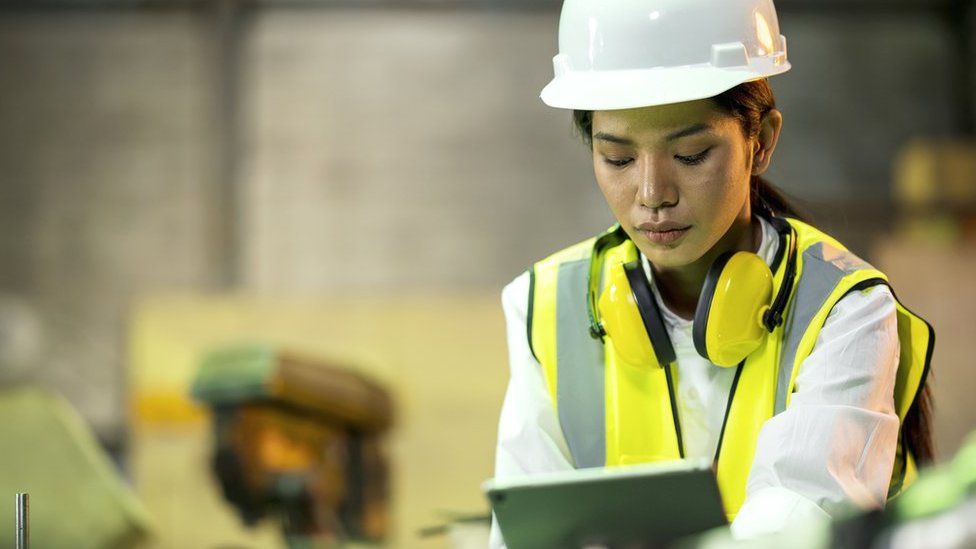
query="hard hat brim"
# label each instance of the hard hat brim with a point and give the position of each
(629, 89)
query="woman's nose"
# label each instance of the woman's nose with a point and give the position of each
(656, 188)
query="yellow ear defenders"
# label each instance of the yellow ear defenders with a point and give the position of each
(735, 310)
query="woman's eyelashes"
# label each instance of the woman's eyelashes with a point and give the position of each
(688, 160)
(694, 159)
(617, 162)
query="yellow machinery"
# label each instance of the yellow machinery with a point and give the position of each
(299, 439)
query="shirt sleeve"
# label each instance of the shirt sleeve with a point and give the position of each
(835, 443)
(530, 440)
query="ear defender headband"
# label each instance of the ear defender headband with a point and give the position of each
(735, 310)
(631, 318)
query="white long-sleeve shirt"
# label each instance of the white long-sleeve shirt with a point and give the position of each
(835, 443)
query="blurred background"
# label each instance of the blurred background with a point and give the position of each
(355, 181)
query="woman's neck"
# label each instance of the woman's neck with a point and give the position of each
(681, 286)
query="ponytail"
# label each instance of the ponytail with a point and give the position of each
(916, 430)
(765, 197)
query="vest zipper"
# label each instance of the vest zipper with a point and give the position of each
(674, 411)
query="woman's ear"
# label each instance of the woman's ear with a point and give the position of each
(769, 128)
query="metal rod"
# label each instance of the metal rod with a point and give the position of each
(22, 504)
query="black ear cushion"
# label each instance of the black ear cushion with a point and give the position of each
(650, 313)
(700, 325)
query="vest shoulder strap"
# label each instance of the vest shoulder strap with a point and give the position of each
(826, 272)
(541, 322)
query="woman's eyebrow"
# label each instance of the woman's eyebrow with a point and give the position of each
(603, 136)
(690, 130)
(684, 132)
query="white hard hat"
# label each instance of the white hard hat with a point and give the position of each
(621, 54)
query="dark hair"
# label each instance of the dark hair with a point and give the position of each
(916, 430)
(749, 103)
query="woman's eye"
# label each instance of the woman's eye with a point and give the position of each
(617, 162)
(693, 159)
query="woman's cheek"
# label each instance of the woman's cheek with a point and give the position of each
(615, 189)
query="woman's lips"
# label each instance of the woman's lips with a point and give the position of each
(664, 237)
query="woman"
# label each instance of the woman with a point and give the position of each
(790, 363)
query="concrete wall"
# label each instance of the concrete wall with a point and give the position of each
(104, 174)
(406, 150)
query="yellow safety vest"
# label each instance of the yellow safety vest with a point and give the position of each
(614, 414)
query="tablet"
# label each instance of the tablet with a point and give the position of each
(630, 506)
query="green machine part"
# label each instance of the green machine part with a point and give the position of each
(77, 497)
(942, 487)
(231, 375)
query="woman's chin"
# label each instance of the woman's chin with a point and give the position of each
(669, 258)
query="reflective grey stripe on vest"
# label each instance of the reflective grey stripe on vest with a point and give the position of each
(579, 363)
(824, 266)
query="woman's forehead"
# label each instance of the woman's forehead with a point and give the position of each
(659, 121)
